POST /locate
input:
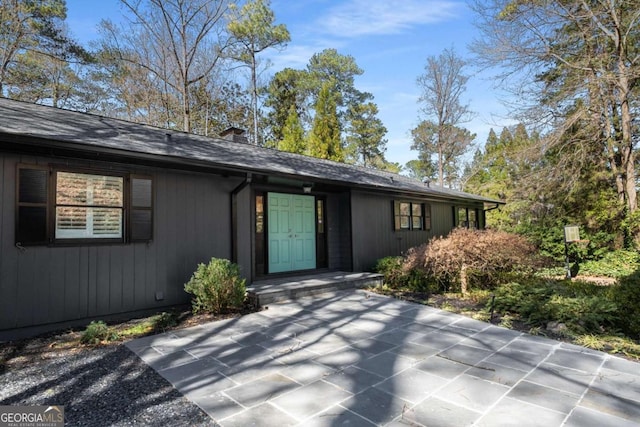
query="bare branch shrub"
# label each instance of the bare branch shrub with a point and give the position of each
(471, 257)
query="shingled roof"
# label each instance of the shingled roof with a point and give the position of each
(31, 124)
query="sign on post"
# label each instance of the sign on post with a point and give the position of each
(571, 234)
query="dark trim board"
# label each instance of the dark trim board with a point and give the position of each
(202, 204)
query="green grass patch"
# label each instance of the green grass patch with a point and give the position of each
(150, 325)
(613, 344)
(98, 332)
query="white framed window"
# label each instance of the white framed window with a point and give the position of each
(88, 206)
(79, 207)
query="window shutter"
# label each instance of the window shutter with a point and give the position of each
(141, 209)
(31, 207)
(396, 214)
(427, 216)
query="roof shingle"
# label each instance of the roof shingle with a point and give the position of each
(96, 132)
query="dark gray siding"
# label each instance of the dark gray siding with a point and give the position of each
(441, 219)
(244, 232)
(46, 285)
(373, 233)
(339, 237)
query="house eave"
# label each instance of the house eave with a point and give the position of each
(31, 144)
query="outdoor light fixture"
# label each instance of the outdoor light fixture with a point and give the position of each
(307, 188)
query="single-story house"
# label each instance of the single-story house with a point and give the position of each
(103, 217)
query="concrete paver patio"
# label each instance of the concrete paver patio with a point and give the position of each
(353, 358)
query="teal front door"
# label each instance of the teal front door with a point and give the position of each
(291, 233)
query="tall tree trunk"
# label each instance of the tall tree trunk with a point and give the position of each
(464, 280)
(254, 95)
(186, 111)
(440, 161)
(628, 154)
(609, 112)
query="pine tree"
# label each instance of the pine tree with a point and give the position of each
(324, 140)
(293, 135)
(366, 135)
(254, 31)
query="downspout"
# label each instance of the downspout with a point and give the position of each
(484, 215)
(493, 208)
(234, 216)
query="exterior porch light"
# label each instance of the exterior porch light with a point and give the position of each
(307, 188)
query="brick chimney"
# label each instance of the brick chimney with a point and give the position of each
(234, 134)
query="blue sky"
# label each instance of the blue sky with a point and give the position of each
(389, 39)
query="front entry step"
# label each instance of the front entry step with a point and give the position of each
(271, 290)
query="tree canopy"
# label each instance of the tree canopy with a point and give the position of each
(442, 85)
(578, 62)
(36, 51)
(254, 31)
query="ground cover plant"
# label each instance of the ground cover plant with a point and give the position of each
(507, 286)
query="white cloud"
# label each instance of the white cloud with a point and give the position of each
(370, 17)
(297, 55)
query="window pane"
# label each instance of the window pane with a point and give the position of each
(462, 217)
(472, 218)
(96, 223)
(416, 209)
(259, 214)
(71, 218)
(404, 222)
(320, 213)
(106, 222)
(405, 209)
(417, 222)
(107, 190)
(82, 218)
(71, 189)
(85, 189)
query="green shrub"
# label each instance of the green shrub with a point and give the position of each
(165, 320)
(419, 282)
(615, 264)
(96, 332)
(216, 287)
(582, 307)
(626, 295)
(396, 277)
(391, 268)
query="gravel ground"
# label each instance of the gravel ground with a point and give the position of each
(103, 386)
